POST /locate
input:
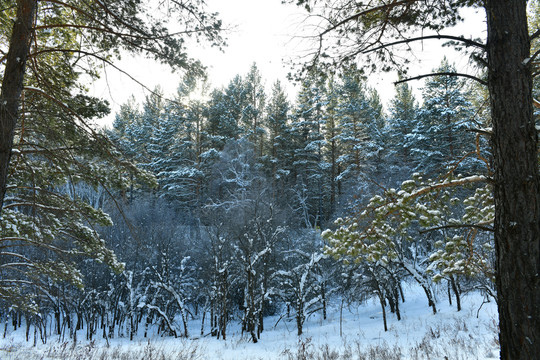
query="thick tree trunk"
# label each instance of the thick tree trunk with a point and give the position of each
(12, 84)
(516, 193)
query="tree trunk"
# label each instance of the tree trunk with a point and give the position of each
(456, 292)
(323, 297)
(223, 315)
(300, 317)
(12, 84)
(383, 309)
(396, 299)
(516, 190)
(260, 324)
(202, 322)
(449, 293)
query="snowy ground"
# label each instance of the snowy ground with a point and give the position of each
(419, 335)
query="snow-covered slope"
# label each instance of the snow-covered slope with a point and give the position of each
(355, 334)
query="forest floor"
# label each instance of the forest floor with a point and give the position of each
(355, 333)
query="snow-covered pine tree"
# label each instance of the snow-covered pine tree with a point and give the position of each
(359, 128)
(253, 114)
(441, 138)
(144, 126)
(310, 190)
(278, 161)
(174, 160)
(332, 148)
(402, 119)
(225, 114)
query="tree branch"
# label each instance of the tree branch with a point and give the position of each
(365, 12)
(532, 58)
(121, 34)
(534, 35)
(467, 42)
(472, 77)
(91, 17)
(451, 183)
(104, 60)
(458, 226)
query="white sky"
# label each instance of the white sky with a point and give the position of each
(263, 33)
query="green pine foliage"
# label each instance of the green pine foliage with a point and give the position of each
(403, 113)
(49, 220)
(61, 163)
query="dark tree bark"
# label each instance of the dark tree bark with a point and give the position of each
(516, 192)
(12, 84)
(457, 292)
(383, 308)
(300, 317)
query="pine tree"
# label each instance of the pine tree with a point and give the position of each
(254, 112)
(402, 120)
(225, 114)
(279, 159)
(308, 138)
(332, 148)
(145, 126)
(359, 125)
(122, 133)
(441, 138)
(48, 220)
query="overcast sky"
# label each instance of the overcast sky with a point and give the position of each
(263, 32)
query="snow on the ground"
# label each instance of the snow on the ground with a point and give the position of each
(469, 334)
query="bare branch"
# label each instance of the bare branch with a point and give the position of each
(532, 58)
(472, 77)
(467, 42)
(535, 35)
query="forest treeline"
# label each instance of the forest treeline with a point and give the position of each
(221, 218)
